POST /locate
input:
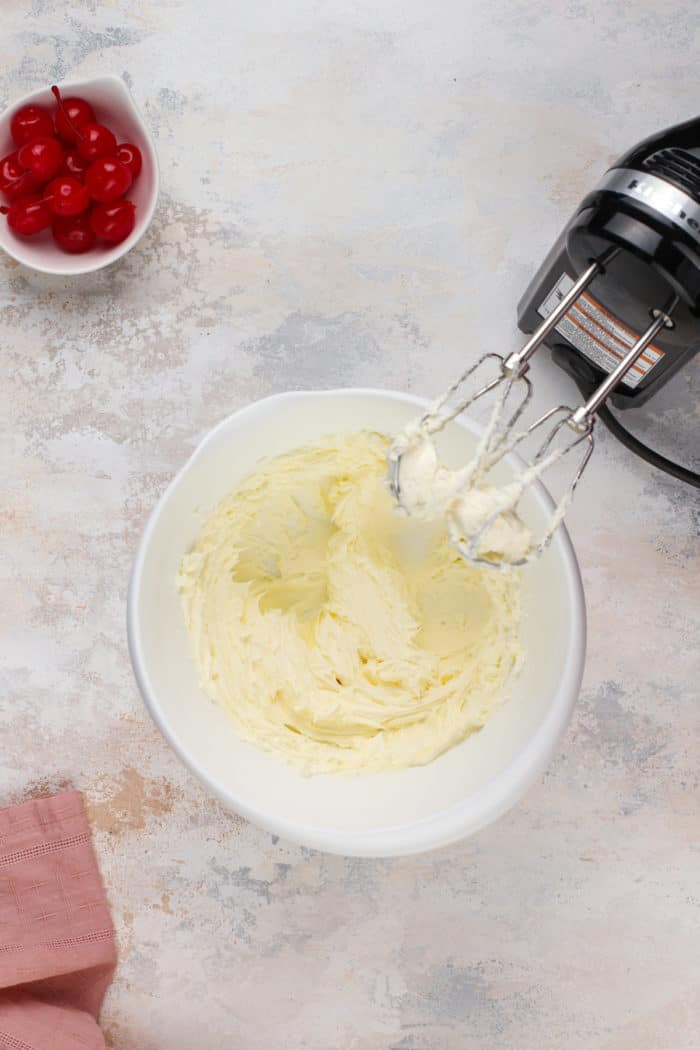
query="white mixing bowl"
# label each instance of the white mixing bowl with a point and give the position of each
(380, 814)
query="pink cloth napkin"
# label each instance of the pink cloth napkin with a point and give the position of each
(57, 952)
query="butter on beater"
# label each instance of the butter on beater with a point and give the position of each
(338, 634)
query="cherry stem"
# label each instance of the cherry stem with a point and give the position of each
(57, 95)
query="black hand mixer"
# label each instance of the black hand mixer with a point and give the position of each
(640, 226)
(617, 301)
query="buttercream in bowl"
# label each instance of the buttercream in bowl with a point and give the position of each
(334, 631)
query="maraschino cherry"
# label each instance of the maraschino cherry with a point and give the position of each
(94, 140)
(113, 222)
(130, 156)
(73, 233)
(64, 195)
(73, 114)
(107, 179)
(73, 164)
(27, 215)
(15, 181)
(29, 122)
(41, 157)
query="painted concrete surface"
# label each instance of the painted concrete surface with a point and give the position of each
(353, 194)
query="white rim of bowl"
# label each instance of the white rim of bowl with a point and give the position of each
(450, 825)
(133, 239)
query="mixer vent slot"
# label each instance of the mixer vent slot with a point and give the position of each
(676, 166)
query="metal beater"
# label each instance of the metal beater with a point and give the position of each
(500, 435)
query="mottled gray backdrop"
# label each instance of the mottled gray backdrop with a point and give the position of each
(354, 192)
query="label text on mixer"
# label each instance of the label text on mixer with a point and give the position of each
(598, 334)
(675, 205)
(652, 194)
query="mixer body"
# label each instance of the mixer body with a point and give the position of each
(642, 224)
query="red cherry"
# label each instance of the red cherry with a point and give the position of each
(73, 233)
(107, 179)
(130, 156)
(27, 215)
(64, 195)
(113, 222)
(41, 157)
(14, 180)
(73, 164)
(29, 122)
(73, 114)
(96, 141)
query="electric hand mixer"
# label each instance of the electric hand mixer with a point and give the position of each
(617, 300)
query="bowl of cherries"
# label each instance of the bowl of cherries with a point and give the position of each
(78, 176)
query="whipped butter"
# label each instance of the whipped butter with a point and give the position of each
(336, 633)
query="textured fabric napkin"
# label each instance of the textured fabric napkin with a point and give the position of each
(57, 951)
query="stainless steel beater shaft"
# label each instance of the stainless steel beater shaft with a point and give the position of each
(517, 362)
(510, 369)
(582, 418)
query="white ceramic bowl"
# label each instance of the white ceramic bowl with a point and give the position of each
(379, 814)
(114, 106)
